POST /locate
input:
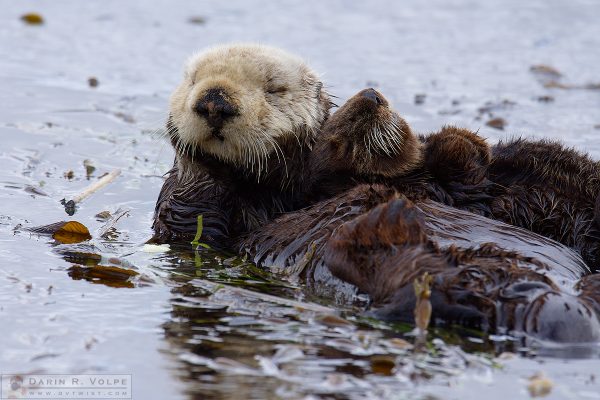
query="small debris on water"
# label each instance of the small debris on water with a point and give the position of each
(399, 343)
(156, 248)
(490, 106)
(32, 19)
(93, 82)
(124, 117)
(545, 99)
(89, 168)
(497, 123)
(197, 20)
(539, 385)
(550, 78)
(332, 320)
(507, 355)
(545, 72)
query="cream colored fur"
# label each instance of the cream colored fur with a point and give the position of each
(276, 95)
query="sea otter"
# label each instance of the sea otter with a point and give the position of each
(381, 237)
(242, 123)
(249, 125)
(539, 185)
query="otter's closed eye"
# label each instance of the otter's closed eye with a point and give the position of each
(276, 89)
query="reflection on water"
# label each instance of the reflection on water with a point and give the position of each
(231, 325)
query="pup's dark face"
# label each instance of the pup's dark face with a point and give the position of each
(367, 137)
(237, 104)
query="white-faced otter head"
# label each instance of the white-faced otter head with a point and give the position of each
(366, 137)
(238, 104)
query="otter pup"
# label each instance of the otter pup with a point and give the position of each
(539, 185)
(366, 141)
(242, 124)
(366, 138)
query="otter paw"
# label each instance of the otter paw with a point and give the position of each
(374, 235)
(456, 154)
(394, 223)
(366, 250)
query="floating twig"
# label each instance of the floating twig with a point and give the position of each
(91, 189)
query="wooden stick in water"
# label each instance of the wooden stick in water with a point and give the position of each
(91, 189)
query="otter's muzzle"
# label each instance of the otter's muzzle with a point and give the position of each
(215, 107)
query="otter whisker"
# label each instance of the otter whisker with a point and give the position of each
(379, 140)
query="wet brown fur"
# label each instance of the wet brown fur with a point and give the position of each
(230, 200)
(379, 241)
(540, 185)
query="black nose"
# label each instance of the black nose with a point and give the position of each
(215, 107)
(372, 95)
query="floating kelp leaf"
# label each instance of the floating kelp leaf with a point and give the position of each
(72, 232)
(81, 257)
(383, 364)
(103, 216)
(32, 19)
(109, 276)
(66, 232)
